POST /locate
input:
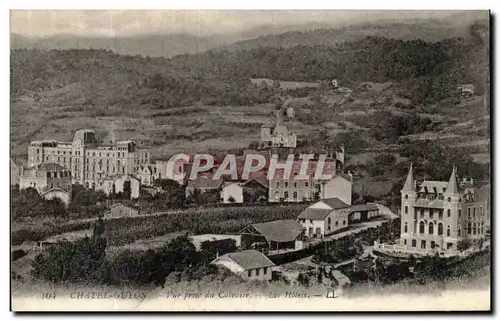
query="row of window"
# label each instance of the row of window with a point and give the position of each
(472, 229)
(448, 212)
(295, 184)
(423, 244)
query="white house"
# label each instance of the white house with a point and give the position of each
(232, 192)
(340, 186)
(250, 264)
(146, 175)
(57, 192)
(324, 217)
(119, 182)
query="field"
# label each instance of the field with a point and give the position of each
(224, 220)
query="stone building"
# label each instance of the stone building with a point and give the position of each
(438, 214)
(45, 176)
(88, 159)
(324, 217)
(250, 264)
(277, 136)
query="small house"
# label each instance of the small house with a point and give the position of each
(57, 192)
(324, 217)
(250, 264)
(363, 212)
(121, 210)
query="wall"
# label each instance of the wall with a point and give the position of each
(340, 188)
(234, 190)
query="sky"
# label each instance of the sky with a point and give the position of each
(38, 23)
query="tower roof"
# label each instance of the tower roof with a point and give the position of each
(408, 186)
(453, 186)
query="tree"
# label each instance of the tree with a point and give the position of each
(127, 189)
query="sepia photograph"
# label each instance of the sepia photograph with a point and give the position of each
(250, 160)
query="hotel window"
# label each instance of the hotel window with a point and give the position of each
(422, 244)
(257, 272)
(404, 242)
(440, 229)
(421, 213)
(480, 210)
(440, 214)
(421, 228)
(474, 228)
(459, 231)
(249, 273)
(307, 184)
(448, 212)
(468, 213)
(406, 196)
(336, 223)
(406, 227)
(431, 213)
(265, 271)
(295, 184)
(414, 243)
(474, 212)
(448, 231)
(294, 195)
(449, 199)
(431, 228)
(459, 212)
(286, 184)
(286, 195)
(344, 223)
(406, 209)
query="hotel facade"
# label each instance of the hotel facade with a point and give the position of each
(88, 160)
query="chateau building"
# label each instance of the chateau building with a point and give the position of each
(438, 215)
(89, 160)
(279, 135)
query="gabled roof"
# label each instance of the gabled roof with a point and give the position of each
(334, 203)
(55, 189)
(206, 183)
(364, 207)
(262, 180)
(432, 186)
(279, 231)
(250, 259)
(315, 214)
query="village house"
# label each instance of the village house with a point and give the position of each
(324, 217)
(121, 210)
(177, 173)
(116, 185)
(363, 212)
(281, 235)
(291, 189)
(88, 159)
(147, 175)
(250, 264)
(466, 90)
(45, 176)
(253, 190)
(203, 185)
(439, 215)
(56, 192)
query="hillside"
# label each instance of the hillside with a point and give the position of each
(208, 102)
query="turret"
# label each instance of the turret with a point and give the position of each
(452, 189)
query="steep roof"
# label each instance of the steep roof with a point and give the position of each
(250, 259)
(314, 214)
(279, 231)
(55, 189)
(453, 186)
(409, 183)
(334, 203)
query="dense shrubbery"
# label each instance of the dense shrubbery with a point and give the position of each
(199, 221)
(85, 261)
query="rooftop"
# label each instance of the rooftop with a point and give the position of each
(334, 203)
(364, 207)
(250, 259)
(279, 231)
(314, 214)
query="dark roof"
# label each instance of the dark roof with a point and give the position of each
(208, 183)
(279, 231)
(250, 259)
(259, 180)
(334, 203)
(315, 213)
(364, 207)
